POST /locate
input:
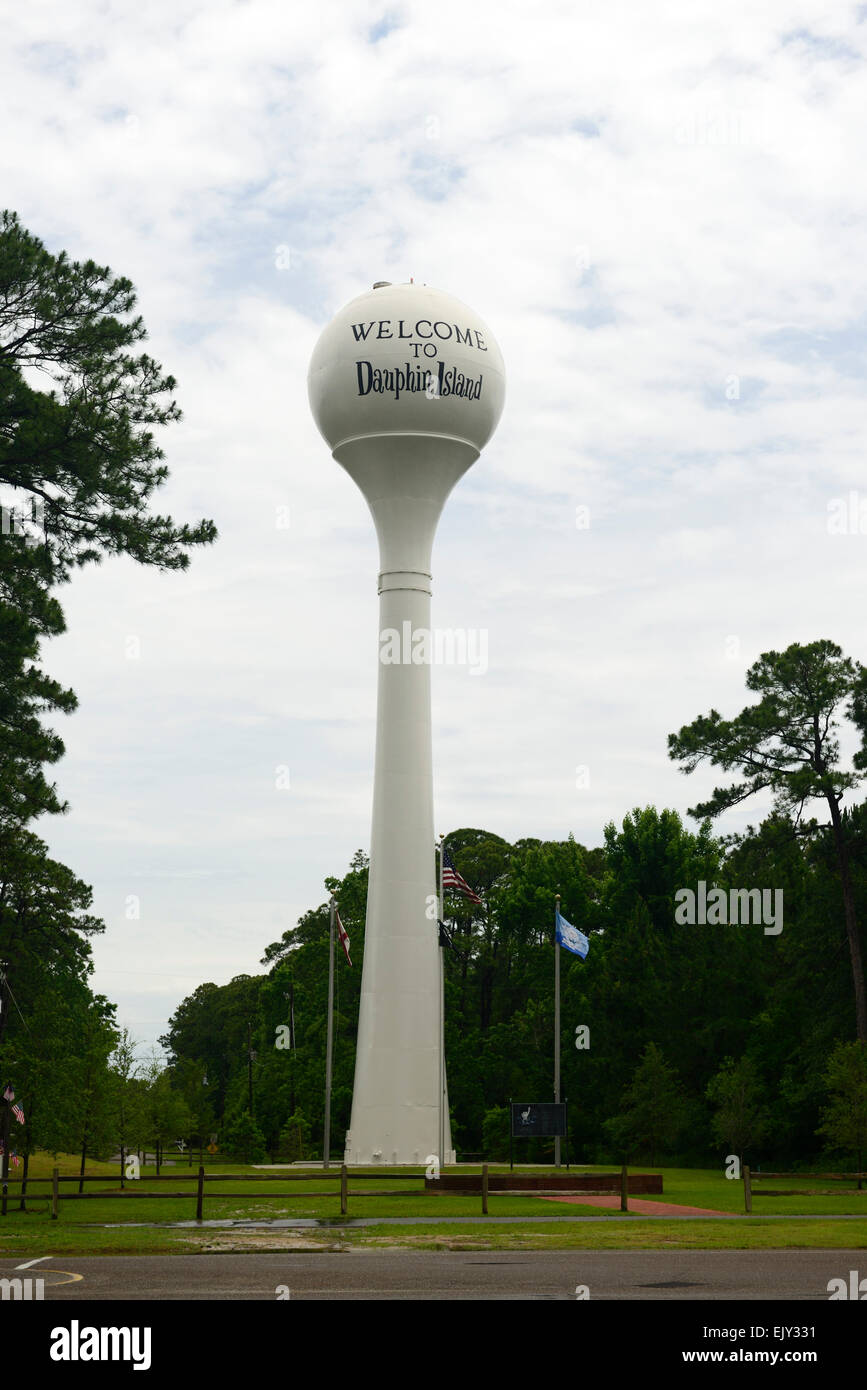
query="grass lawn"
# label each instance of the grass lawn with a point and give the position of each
(80, 1227)
(749, 1234)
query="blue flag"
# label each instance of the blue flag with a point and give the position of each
(570, 937)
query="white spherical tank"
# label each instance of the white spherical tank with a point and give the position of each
(406, 360)
(406, 385)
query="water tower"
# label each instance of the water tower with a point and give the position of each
(406, 385)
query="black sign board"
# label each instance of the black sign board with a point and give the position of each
(538, 1121)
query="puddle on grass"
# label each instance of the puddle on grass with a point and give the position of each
(299, 1223)
(326, 1223)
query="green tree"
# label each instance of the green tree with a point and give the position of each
(844, 1122)
(166, 1115)
(28, 613)
(294, 1138)
(788, 743)
(127, 1096)
(647, 977)
(79, 462)
(44, 921)
(242, 1139)
(652, 1115)
(41, 1055)
(738, 1100)
(85, 449)
(190, 1078)
(210, 1026)
(44, 964)
(797, 988)
(495, 1133)
(89, 1076)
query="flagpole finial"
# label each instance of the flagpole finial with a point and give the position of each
(557, 897)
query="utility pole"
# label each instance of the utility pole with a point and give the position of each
(291, 1001)
(4, 990)
(250, 1056)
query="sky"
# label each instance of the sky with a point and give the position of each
(658, 210)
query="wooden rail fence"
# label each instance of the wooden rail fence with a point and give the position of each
(480, 1184)
(340, 1175)
(750, 1177)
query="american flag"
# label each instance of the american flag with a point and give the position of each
(452, 879)
(8, 1094)
(15, 1160)
(341, 935)
(18, 1113)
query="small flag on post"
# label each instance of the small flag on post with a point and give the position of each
(341, 934)
(570, 937)
(18, 1113)
(452, 879)
(9, 1094)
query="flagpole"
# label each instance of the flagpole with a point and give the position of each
(326, 1142)
(6, 1112)
(442, 917)
(292, 1047)
(556, 1026)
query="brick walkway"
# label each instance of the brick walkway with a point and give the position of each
(638, 1204)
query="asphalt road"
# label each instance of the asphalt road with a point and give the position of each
(439, 1275)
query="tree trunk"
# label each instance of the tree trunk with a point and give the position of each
(21, 1204)
(28, 1132)
(851, 919)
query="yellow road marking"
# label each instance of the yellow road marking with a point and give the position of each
(56, 1283)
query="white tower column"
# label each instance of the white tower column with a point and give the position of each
(396, 1097)
(395, 1107)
